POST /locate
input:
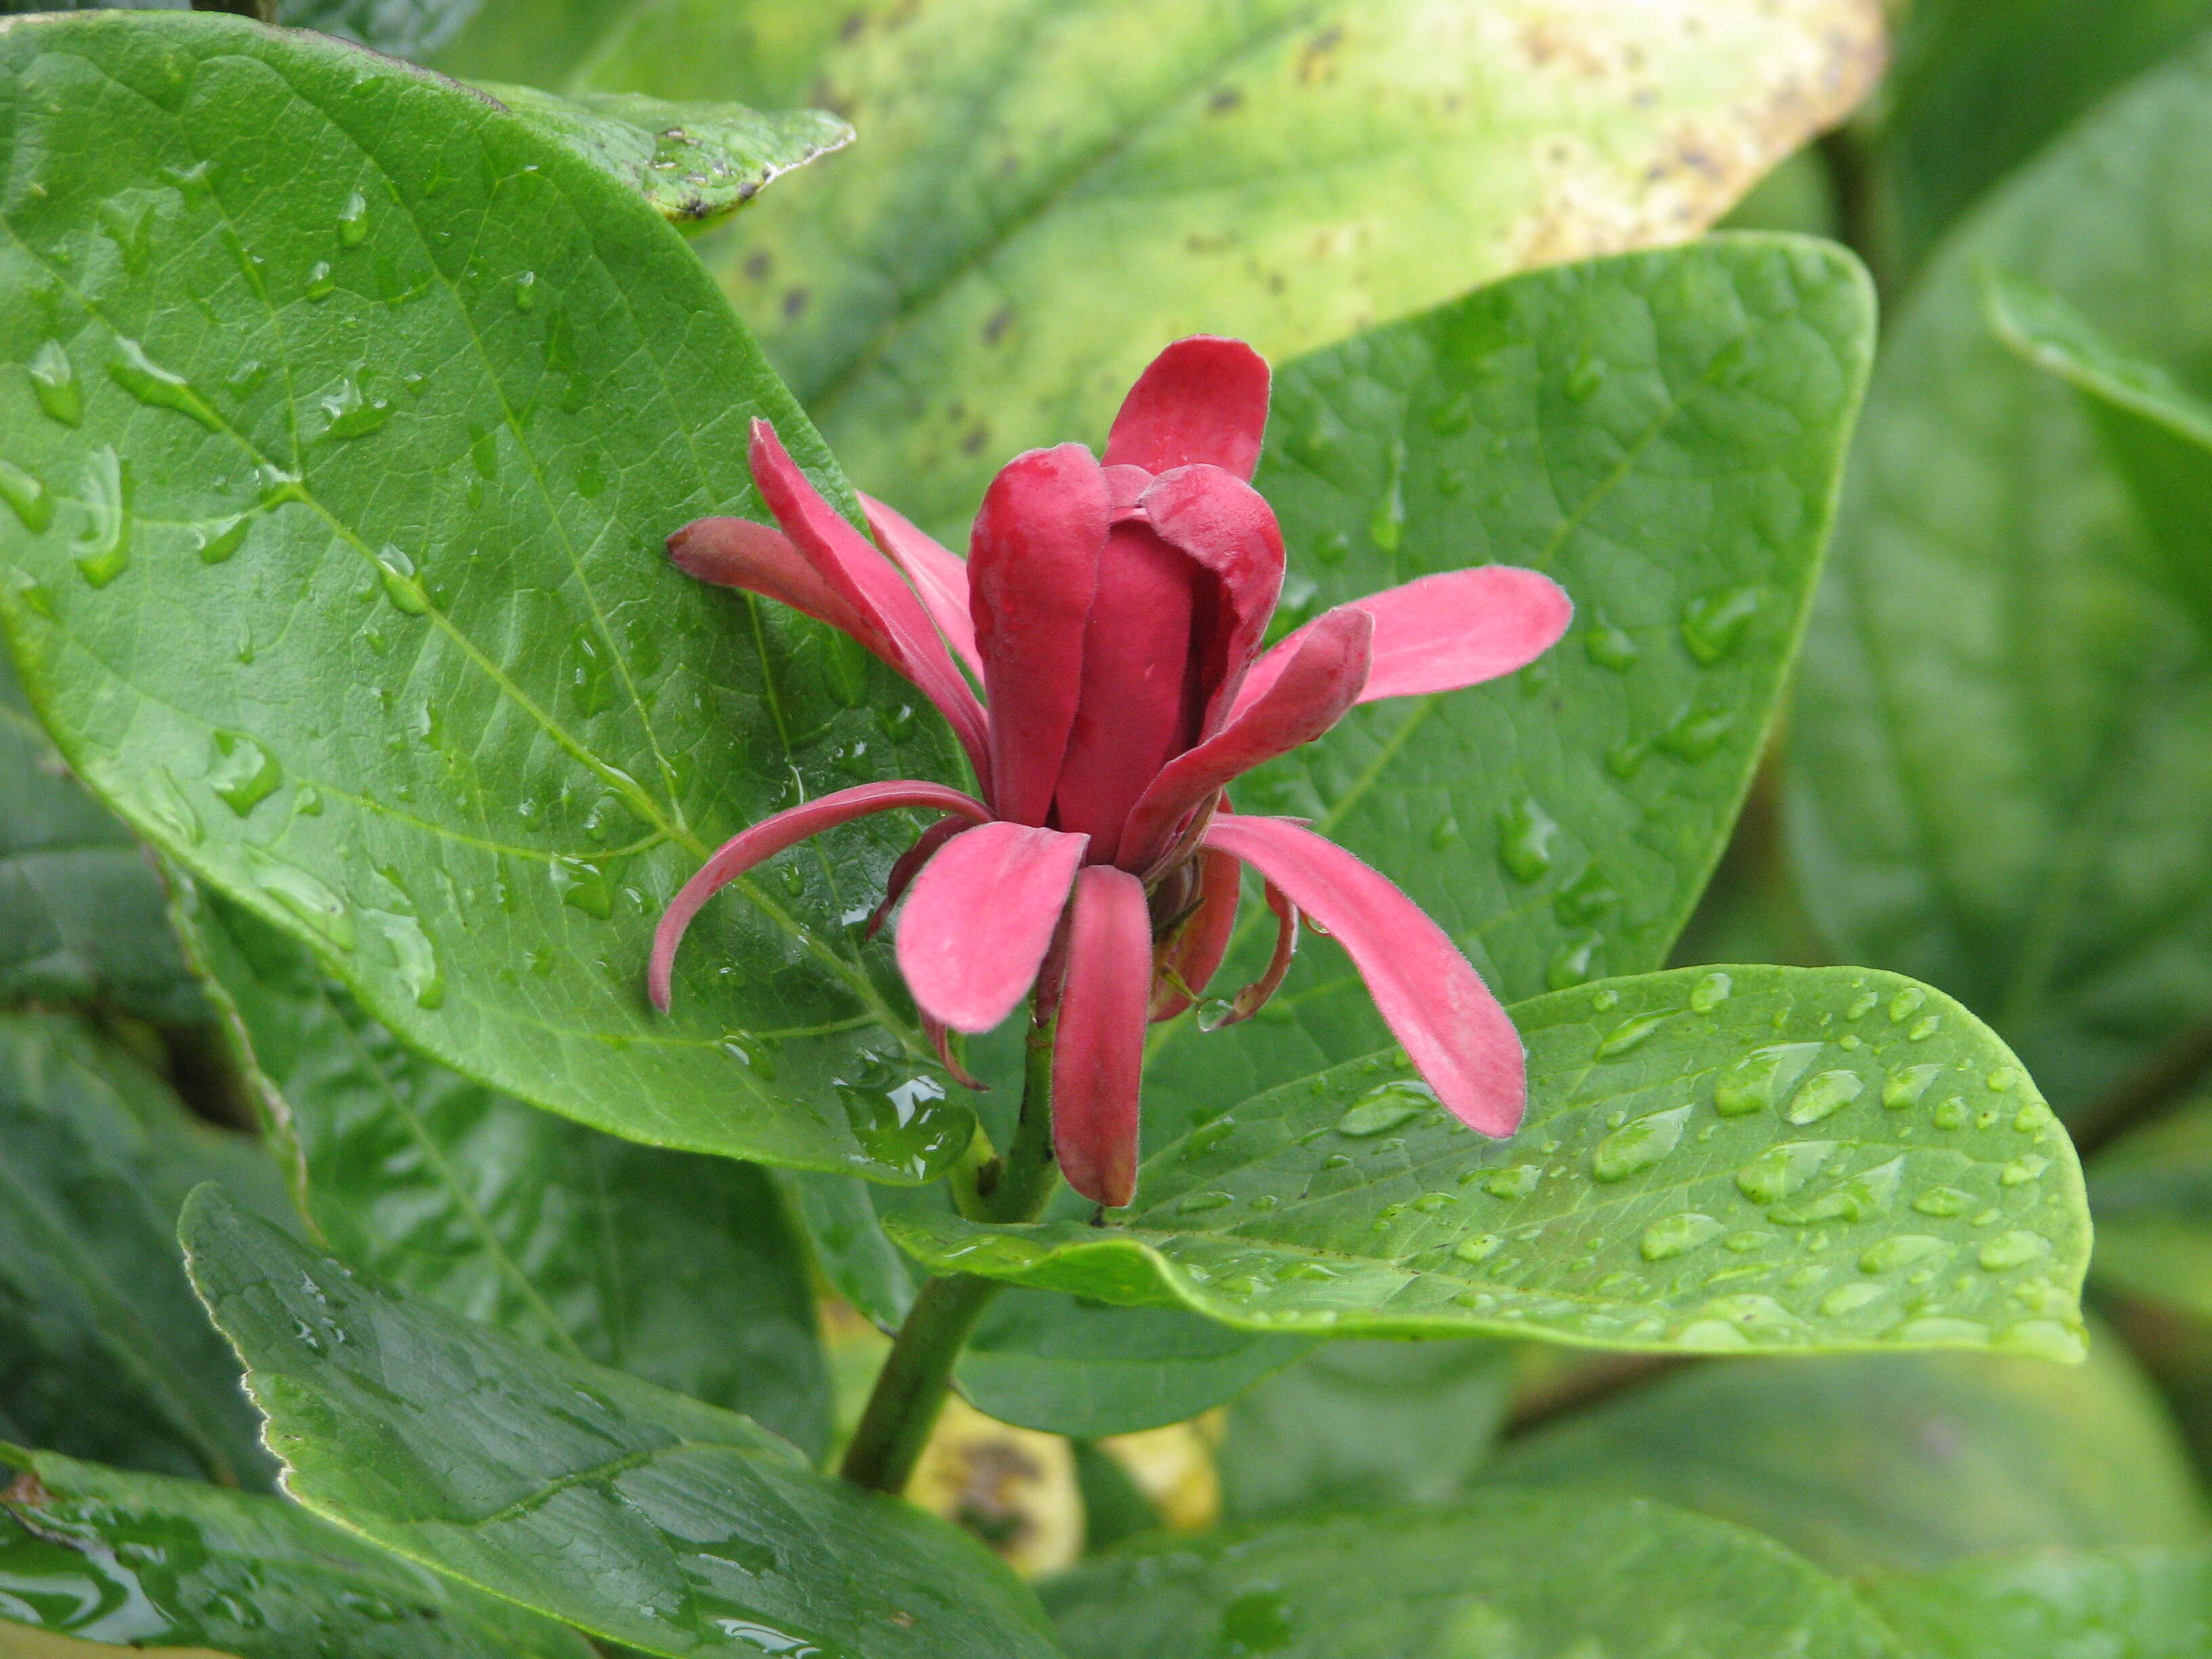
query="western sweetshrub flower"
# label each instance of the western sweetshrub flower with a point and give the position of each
(1113, 615)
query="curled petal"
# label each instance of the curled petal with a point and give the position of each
(1099, 1049)
(1321, 681)
(909, 866)
(938, 574)
(1189, 956)
(738, 553)
(1428, 994)
(1444, 632)
(770, 836)
(1032, 570)
(1254, 997)
(1228, 527)
(941, 1038)
(979, 917)
(1203, 400)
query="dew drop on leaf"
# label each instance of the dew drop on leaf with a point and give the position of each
(54, 381)
(395, 573)
(101, 549)
(1677, 1235)
(1525, 830)
(158, 387)
(352, 221)
(1781, 1169)
(1905, 1088)
(243, 773)
(1712, 627)
(1761, 1077)
(320, 280)
(2013, 1249)
(305, 897)
(1824, 1096)
(27, 498)
(1639, 1145)
(1384, 1108)
(1709, 992)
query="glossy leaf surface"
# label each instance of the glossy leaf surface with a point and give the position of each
(354, 599)
(2146, 1603)
(1713, 1160)
(680, 1269)
(1503, 1574)
(647, 1518)
(141, 1560)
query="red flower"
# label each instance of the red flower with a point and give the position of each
(1113, 616)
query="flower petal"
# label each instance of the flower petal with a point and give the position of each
(1032, 570)
(980, 918)
(908, 864)
(1458, 1037)
(1228, 527)
(1455, 629)
(764, 839)
(1254, 997)
(1098, 1056)
(938, 574)
(856, 570)
(1188, 958)
(738, 553)
(1322, 680)
(1202, 399)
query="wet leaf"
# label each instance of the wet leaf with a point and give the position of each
(2148, 1603)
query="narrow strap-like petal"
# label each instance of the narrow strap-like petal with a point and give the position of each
(770, 836)
(1032, 570)
(1322, 680)
(1457, 1036)
(1456, 628)
(938, 574)
(855, 568)
(1202, 399)
(978, 918)
(1254, 997)
(941, 1038)
(908, 864)
(1098, 1059)
(738, 553)
(1226, 525)
(1188, 958)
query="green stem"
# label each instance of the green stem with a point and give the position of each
(910, 1390)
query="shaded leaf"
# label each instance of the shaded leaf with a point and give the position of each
(680, 1269)
(2148, 1604)
(2151, 1194)
(643, 1516)
(1777, 1157)
(424, 690)
(141, 1560)
(405, 29)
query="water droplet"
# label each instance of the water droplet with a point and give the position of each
(1761, 1077)
(303, 896)
(1574, 963)
(1384, 1108)
(1586, 378)
(352, 413)
(1589, 896)
(1629, 1035)
(414, 958)
(1610, 646)
(169, 808)
(1679, 1235)
(27, 497)
(1429, 1203)
(352, 221)
(1709, 992)
(1696, 736)
(1712, 627)
(526, 291)
(1450, 480)
(1922, 1030)
(2046, 1338)
(103, 549)
(130, 225)
(1386, 527)
(243, 774)
(1480, 1248)
(1824, 1096)
(584, 887)
(278, 486)
(217, 541)
(1864, 1196)
(1637, 1145)
(2013, 1249)
(1624, 760)
(396, 571)
(1904, 1088)
(1902, 1251)
(2029, 1166)
(1939, 1330)
(1849, 1299)
(1861, 1006)
(307, 801)
(1943, 1201)
(1518, 1182)
(321, 280)
(1444, 833)
(1952, 1114)
(902, 1118)
(2002, 1081)
(1197, 1203)
(591, 676)
(1781, 1169)
(156, 387)
(1453, 416)
(54, 381)
(1525, 832)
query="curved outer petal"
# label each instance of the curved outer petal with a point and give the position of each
(1226, 525)
(1194, 950)
(738, 553)
(855, 569)
(770, 836)
(1427, 993)
(1202, 399)
(979, 917)
(1032, 570)
(938, 574)
(1254, 997)
(1456, 628)
(908, 864)
(1320, 682)
(1098, 1056)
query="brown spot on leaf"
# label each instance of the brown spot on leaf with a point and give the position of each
(974, 442)
(1317, 62)
(1225, 100)
(757, 265)
(1000, 320)
(794, 303)
(850, 30)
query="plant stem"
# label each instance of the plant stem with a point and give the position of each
(910, 1391)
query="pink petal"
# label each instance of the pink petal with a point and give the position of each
(1255, 996)
(941, 1038)
(770, 836)
(1456, 628)
(1433, 1001)
(1322, 680)
(1032, 570)
(1228, 527)
(738, 553)
(939, 576)
(867, 580)
(1098, 1059)
(1192, 954)
(978, 920)
(908, 865)
(1202, 399)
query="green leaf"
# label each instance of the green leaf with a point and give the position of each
(1775, 1157)
(696, 163)
(405, 29)
(103, 1351)
(141, 1560)
(424, 690)
(1891, 1461)
(680, 1269)
(639, 1515)
(1507, 1573)
(2148, 1604)
(1997, 771)
(22, 1642)
(1661, 433)
(80, 910)
(850, 1247)
(1365, 1424)
(2152, 1195)
(1017, 237)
